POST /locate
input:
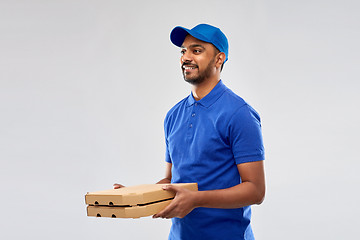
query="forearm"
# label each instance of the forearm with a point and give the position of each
(167, 178)
(164, 181)
(244, 194)
(250, 191)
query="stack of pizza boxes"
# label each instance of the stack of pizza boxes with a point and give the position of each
(131, 202)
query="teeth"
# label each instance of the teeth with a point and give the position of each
(189, 67)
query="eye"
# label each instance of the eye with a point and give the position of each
(182, 52)
(197, 51)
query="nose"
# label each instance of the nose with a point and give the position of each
(186, 57)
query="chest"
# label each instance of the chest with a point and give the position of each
(198, 128)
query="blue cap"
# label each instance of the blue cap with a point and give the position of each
(203, 32)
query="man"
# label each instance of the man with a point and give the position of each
(213, 138)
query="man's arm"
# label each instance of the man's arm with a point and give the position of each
(167, 178)
(250, 191)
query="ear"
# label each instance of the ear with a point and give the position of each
(220, 58)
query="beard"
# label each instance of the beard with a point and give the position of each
(200, 78)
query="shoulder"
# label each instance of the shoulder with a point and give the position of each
(238, 109)
(233, 99)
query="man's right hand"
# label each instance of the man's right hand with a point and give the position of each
(116, 186)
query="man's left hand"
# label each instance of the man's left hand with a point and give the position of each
(181, 205)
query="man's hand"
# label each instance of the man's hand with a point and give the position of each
(181, 205)
(116, 186)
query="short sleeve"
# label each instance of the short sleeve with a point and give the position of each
(245, 135)
(167, 152)
(167, 155)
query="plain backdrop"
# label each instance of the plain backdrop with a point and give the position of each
(85, 86)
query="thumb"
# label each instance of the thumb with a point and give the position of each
(172, 188)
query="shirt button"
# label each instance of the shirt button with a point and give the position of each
(195, 104)
(193, 115)
(190, 125)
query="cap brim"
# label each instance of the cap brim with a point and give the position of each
(178, 35)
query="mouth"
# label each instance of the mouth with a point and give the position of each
(189, 68)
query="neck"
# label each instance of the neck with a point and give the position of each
(201, 90)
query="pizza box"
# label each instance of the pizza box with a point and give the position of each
(132, 202)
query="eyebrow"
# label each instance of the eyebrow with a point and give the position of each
(193, 46)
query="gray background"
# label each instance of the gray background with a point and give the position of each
(85, 86)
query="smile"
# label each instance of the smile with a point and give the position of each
(188, 68)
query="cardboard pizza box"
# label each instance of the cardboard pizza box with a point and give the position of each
(131, 202)
(127, 212)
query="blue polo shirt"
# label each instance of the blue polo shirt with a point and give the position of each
(205, 140)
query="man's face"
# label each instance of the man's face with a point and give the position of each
(197, 60)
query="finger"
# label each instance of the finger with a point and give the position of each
(172, 188)
(116, 186)
(166, 212)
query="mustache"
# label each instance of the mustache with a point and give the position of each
(188, 64)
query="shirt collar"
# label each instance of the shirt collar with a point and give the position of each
(210, 98)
